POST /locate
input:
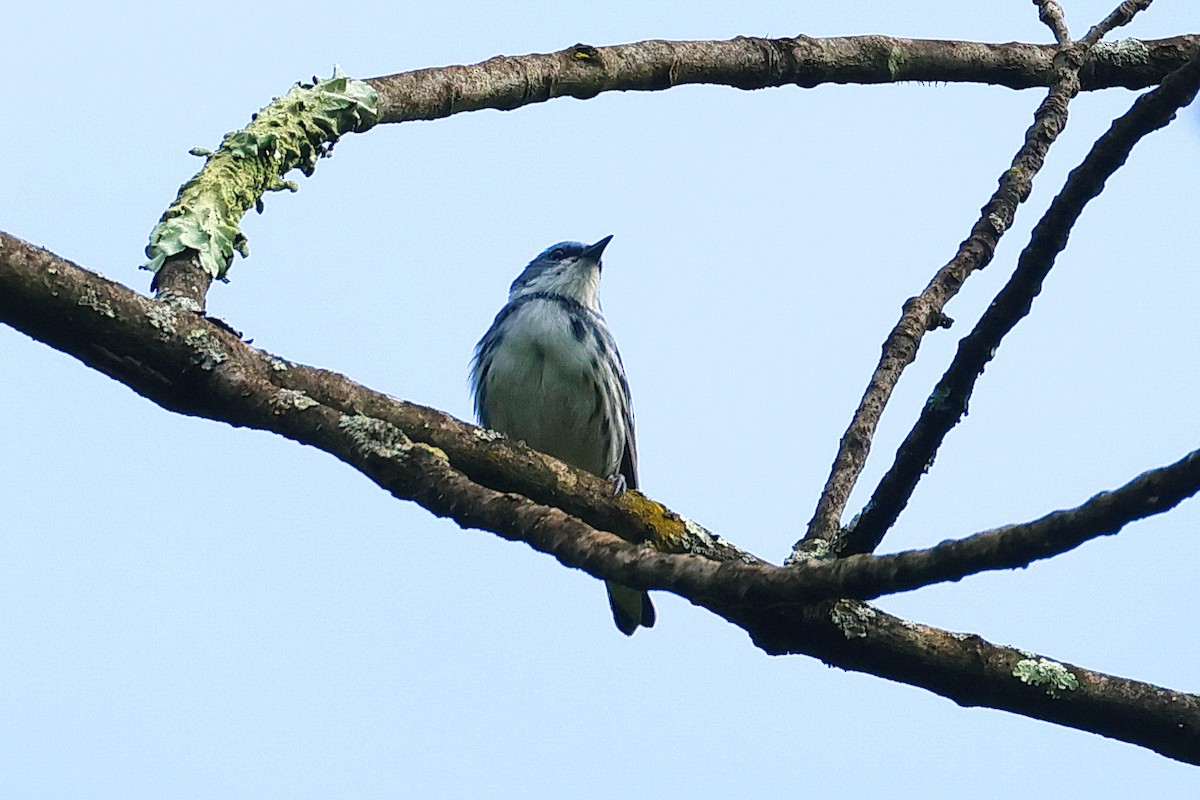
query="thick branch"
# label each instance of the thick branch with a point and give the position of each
(583, 71)
(973, 672)
(174, 357)
(189, 364)
(182, 282)
(949, 400)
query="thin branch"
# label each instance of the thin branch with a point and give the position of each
(949, 400)
(925, 312)
(1051, 13)
(583, 71)
(302, 125)
(1012, 546)
(189, 364)
(1121, 15)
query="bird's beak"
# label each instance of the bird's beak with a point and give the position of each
(592, 252)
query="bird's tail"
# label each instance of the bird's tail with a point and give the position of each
(630, 608)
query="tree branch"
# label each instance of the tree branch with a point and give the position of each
(925, 312)
(973, 672)
(1051, 13)
(1121, 15)
(143, 344)
(948, 402)
(583, 71)
(188, 364)
(197, 235)
(1012, 546)
(170, 353)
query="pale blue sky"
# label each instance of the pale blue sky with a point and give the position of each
(189, 610)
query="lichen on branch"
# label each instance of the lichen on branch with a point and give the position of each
(292, 132)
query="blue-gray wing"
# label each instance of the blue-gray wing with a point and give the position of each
(481, 362)
(620, 402)
(629, 462)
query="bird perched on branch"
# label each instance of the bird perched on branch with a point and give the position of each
(548, 372)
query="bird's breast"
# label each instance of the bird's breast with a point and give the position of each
(543, 388)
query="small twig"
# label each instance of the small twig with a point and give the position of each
(948, 402)
(1051, 14)
(1121, 15)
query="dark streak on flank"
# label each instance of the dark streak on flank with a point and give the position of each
(597, 403)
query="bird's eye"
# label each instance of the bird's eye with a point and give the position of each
(557, 253)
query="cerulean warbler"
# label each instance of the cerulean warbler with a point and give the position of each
(548, 372)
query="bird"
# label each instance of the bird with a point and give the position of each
(547, 372)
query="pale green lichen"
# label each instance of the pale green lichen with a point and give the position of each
(88, 298)
(286, 399)
(277, 363)
(162, 318)
(488, 435)
(375, 436)
(1049, 675)
(817, 549)
(207, 350)
(697, 531)
(852, 617)
(180, 302)
(379, 439)
(895, 63)
(434, 450)
(1124, 53)
(292, 132)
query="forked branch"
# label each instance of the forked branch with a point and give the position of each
(949, 399)
(924, 312)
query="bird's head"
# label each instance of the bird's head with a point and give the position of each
(571, 269)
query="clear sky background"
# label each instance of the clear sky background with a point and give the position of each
(189, 610)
